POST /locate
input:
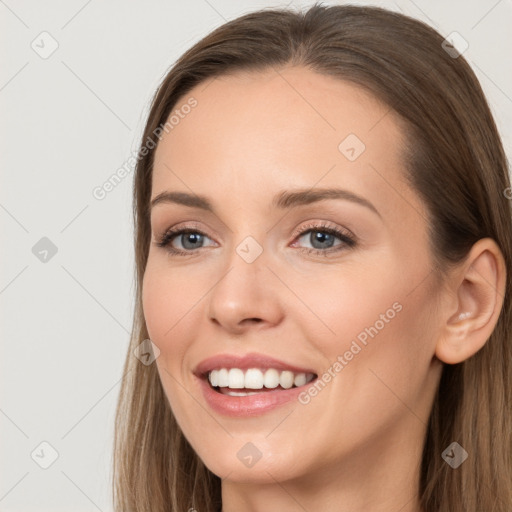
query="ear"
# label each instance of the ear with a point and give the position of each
(476, 290)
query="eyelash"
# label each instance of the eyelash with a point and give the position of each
(346, 237)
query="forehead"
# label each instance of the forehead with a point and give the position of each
(281, 129)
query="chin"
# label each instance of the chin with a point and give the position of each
(242, 462)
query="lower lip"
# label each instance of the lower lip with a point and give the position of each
(251, 405)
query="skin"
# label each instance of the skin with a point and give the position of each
(356, 446)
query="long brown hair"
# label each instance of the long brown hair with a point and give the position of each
(456, 163)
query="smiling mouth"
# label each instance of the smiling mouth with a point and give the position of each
(238, 382)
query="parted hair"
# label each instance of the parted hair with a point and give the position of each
(454, 160)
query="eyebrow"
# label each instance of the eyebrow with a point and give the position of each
(283, 200)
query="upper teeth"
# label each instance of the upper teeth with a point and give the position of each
(254, 378)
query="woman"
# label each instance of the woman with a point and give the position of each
(368, 369)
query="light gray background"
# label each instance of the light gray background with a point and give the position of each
(68, 122)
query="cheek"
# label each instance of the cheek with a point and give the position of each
(157, 305)
(167, 299)
(347, 304)
(379, 319)
(388, 342)
(385, 364)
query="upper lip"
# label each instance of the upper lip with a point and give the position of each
(252, 360)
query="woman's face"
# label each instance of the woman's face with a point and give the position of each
(262, 280)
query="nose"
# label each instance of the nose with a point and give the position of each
(247, 296)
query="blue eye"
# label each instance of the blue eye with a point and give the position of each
(323, 237)
(323, 240)
(189, 238)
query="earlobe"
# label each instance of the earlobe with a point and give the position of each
(478, 289)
